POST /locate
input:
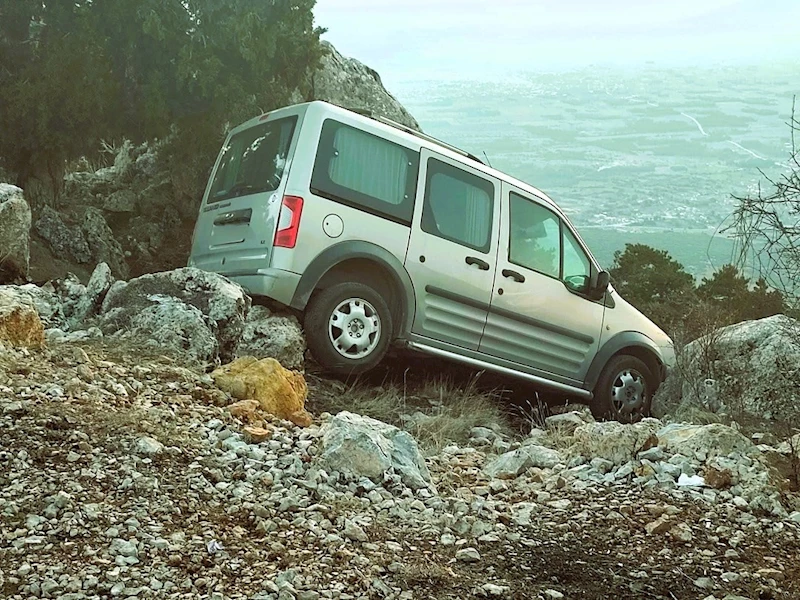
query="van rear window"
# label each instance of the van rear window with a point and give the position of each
(253, 160)
(363, 170)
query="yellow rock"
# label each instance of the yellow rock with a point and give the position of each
(19, 323)
(277, 390)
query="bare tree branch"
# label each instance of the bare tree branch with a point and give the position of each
(766, 226)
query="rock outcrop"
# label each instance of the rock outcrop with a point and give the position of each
(268, 335)
(750, 368)
(15, 227)
(351, 84)
(358, 446)
(195, 312)
(278, 391)
(20, 325)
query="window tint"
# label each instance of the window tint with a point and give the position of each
(535, 236)
(253, 160)
(363, 170)
(458, 206)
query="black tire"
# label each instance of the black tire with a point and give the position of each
(322, 333)
(624, 390)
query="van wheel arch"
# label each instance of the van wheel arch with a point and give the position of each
(374, 275)
(363, 262)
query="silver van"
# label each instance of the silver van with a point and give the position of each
(377, 234)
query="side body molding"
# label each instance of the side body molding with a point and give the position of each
(358, 249)
(624, 339)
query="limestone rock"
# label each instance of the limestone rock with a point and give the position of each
(278, 391)
(19, 322)
(514, 463)
(267, 335)
(364, 447)
(565, 422)
(102, 243)
(188, 310)
(704, 441)
(121, 201)
(614, 441)
(748, 367)
(15, 227)
(67, 241)
(351, 84)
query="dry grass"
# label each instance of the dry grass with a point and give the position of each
(437, 410)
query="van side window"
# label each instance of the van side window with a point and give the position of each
(576, 263)
(458, 206)
(366, 171)
(534, 237)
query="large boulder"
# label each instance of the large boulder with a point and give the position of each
(614, 441)
(704, 441)
(278, 391)
(65, 304)
(746, 368)
(102, 243)
(15, 228)
(351, 84)
(19, 322)
(196, 312)
(66, 241)
(358, 446)
(267, 335)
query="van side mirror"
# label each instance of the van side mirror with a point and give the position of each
(600, 286)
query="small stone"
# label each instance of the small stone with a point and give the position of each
(553, 594)
(149, 446)
(719, 479)
(469, 555)
(498, 591)
(354, 532)
(681, 532)
(771, 574)
(659, 526)
(704, 583)
(256, 435)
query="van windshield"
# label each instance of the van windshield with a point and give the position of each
(253, 160)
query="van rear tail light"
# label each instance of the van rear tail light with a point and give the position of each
(288, 222)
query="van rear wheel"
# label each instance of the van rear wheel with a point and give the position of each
(624, 390)
(348, 328)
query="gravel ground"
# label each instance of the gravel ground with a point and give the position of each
(122, 475)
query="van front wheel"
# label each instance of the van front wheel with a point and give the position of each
(624, 390)
(348, 328)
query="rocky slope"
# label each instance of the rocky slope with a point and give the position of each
(125, 475)
(131, 466)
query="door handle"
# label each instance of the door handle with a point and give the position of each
(518, 277)
(234, 217)
(482, 264)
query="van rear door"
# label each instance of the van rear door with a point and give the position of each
(236, 226)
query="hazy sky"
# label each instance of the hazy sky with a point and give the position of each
(418, 39)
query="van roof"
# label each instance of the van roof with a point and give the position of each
(418, 137)
(422, 139)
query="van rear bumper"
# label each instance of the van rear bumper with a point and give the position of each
(277, 284)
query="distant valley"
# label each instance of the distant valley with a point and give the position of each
(648, 154)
